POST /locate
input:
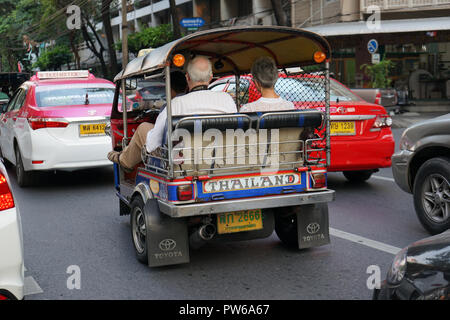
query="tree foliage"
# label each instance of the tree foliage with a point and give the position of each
(54, 58)
(151, 37)
(379, 73)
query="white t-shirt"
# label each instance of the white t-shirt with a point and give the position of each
(267, 104)
(197, 102)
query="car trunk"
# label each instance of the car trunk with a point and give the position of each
(77, 122)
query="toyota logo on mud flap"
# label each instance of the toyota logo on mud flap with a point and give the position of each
(167, 244)
(313, 228)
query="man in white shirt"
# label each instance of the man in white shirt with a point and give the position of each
(265, 75)
(199, 100)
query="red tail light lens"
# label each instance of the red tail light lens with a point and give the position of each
(185, 192)
(319, 180)
(6, 197)
(39, 123)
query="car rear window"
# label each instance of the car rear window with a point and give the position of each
(70, 95)
(311, 89)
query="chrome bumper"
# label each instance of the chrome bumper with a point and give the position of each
(204, 208)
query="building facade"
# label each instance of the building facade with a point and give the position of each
(414, 34)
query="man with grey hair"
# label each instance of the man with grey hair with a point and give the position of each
(265, 75)
(199, 100)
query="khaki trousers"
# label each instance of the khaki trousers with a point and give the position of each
(131, 155)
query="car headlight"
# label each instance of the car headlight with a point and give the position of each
(405, 143)
(398, 268)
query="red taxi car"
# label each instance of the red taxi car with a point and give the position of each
(56, 121)
(361, 137)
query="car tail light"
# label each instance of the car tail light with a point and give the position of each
(185, 192)
(378, 98)
(6, 197)
(2, 297)
(383, 121)
(39, 123)
(319, 180)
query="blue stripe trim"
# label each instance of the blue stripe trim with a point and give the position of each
(301, 120)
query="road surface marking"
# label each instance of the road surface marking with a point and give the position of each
(384, 178)
(31, 286)
(365, 241)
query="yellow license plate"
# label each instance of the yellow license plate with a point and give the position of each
(239, 221)
(342, 128)
(97, 129)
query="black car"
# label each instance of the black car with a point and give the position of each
(420, 271)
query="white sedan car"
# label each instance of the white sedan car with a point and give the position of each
(11, 243)
(56, 121)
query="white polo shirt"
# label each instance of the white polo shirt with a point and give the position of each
(193, 103)
(267, 104)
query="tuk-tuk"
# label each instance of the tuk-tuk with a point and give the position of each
(229, 176)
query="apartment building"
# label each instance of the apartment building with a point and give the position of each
(415, 34)
(216, 13)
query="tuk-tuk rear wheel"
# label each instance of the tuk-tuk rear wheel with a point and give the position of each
(286, 229)
(139, 229)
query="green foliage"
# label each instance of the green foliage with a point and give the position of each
(54, 58)
(379, 73)
(151, 37)
(17, 18)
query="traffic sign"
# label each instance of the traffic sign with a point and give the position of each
(375, 58)
(192, 22)
(372, 46)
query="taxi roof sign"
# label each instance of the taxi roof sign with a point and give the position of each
(62, 74)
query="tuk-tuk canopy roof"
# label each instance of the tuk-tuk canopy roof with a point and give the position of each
(237, 48)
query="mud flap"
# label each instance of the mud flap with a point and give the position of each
(312, 225)
(167, 238)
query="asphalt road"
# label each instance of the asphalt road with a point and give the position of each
(72, 219)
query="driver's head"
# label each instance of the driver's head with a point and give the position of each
(199, 72)
(265, 73)
(178, 83)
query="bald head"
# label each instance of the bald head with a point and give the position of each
(199, 72)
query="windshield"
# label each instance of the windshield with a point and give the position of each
(53, 96)
(152, 90)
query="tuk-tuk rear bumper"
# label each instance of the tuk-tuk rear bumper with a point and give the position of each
(288, 200)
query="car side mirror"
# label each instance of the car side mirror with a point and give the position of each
(3, 110)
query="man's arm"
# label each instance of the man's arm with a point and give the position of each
(155, 136)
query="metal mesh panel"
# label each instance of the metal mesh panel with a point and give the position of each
(304, 90)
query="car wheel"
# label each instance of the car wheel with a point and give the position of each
(286, 229)
(358, 176)
(139, 230)
(432, 194)
(24, 178)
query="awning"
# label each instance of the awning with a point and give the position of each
(386, 26)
